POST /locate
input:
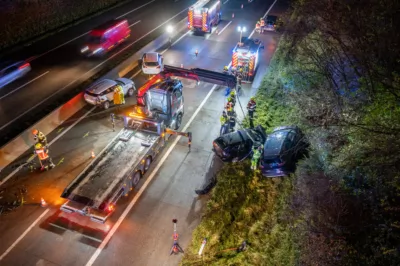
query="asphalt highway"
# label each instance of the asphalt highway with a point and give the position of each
(140, 231)
(58, 66)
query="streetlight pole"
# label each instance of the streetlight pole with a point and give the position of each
(241, 30)
(170, 29)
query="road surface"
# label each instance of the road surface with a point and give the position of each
(58, 66)
(140, 232)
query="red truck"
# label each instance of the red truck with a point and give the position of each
(106, 37)
(204, 15)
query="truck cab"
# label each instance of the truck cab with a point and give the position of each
(164, 102)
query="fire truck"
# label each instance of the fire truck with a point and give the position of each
(118, 169)
(204, 15)
(245, 57)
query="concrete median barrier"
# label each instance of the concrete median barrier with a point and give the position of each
(19, 145)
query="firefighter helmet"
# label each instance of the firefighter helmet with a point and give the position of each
(233, 93)
(35, 132)
(38, 145)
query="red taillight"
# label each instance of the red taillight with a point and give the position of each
(111, 208)
(24, 66)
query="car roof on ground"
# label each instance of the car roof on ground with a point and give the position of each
(101, 86)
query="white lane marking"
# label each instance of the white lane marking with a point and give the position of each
(226, 26)
(146, 183)
(20, 87)
(180, 38)
(135, 9)
(24, 234)
(51, 142)
(137, 73)
(225, 2)
(133, 24)
(102, 63)
(61, 45)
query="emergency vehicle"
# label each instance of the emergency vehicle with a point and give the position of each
(119, 167)
(204, 15)
(106, 37)
(245, 57)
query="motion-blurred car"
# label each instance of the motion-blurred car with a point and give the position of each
(106, 37)
(238, 145)
(152, 63)
(283, 147)
(14, 71)
(270, 24)
(102, 92)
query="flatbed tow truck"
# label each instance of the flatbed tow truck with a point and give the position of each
(118, 169)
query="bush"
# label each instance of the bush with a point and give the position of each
(244, 206)
(23, 20)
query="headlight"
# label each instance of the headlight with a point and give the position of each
(97, 50)
(84, 49)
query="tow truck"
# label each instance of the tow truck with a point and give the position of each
(118, 169)
(245, 57)
(203, 15)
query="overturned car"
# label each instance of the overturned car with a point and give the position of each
(238, 145)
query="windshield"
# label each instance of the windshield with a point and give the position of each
(95, 39)
(91, 94)
(151, 64)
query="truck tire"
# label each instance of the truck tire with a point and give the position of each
(147, 163)
(106, 105)
(130, 92)
(136, 178)
(178, 122)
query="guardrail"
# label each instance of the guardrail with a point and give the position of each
(24, 141)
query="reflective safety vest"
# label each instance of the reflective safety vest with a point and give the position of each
(41, 153)
(229, 106)
(223, 120)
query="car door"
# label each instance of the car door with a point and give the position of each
(109, 94)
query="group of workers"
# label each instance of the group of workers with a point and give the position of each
(260, 25)
(41, 150)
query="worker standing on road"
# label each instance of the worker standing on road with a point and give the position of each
(39, 137)
(224, 123)
(44, 158)
(232, 122)
(112, 116)
(251, 108)
(196, 52)
(262, 25)
(229, 108)
(256, 157)
(232, 98)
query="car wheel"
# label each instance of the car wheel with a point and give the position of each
(178, 122)
(136, 178)
(147, 163)
(106, 105)
(130, 92)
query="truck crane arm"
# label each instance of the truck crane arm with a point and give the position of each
(197, 74)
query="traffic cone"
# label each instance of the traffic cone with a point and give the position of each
(43, 203)
(242, 6)
(233, 15)
(93, 154)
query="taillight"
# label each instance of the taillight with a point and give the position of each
(24, 66)
(110, 208)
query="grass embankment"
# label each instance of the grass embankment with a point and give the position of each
(244, 206)
(22, 20)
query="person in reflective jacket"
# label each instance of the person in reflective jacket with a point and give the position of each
(256, 157)
(39, 137)
(44, 158)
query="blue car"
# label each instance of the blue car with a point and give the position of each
(283, 147)
(12, 72)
